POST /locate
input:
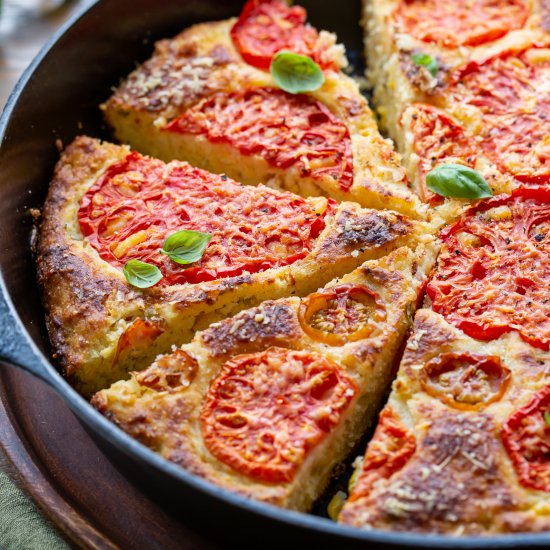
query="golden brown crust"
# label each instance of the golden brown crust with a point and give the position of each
(90, 305)
(169, 421)
(460, 479)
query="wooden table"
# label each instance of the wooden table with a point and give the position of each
(22, 34)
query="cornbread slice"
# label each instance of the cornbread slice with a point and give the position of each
(463, 83)
(107, 205)
(268, 402)
(461, 448)
(198, 100)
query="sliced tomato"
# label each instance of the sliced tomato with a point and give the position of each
(341, 314)
(510, 90)
(266, 411)
(493, 273)
(267, 26)
(138, 202)
(284, 129)
(438, 139)
(526, 437)
(174, 371)
(466, 381)
(140, 334)
(388, 451)
(451, 24)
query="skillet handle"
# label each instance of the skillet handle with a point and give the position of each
(16, 346)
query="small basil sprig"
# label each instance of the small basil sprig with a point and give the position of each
(421, 59)
(457, 181)
(295, 73)
(141, 274)
(547, 417)
(186, 246)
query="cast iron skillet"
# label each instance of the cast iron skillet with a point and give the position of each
(58, 98)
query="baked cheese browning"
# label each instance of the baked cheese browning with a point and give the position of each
(461, 448)
(526, 437)
(269, 410)
(494, 270)
(101, 327)
(451, 24)
(265, 411)
(216, 121)
(139, 202)
(266, 27)
(507, 101)
(285, 130)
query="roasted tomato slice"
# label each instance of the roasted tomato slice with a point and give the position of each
(266, 411)
(510, 91)
(268, 26)
(140, 334)
(465, 381)
(389, 450)
(494, 270)
(285, 130)
(438, 139)
(341, 314)
(138, 202)
(451, 24)
(526, 437)
(174, 371)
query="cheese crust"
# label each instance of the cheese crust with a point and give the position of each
(90, 306)
(168, 419)
(203, 61)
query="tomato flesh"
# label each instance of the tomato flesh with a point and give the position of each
(465, 380)
(268, 26)
(438, 139)
(138, 202)
(388, 451)
(341, 314)
(285, 130)
(266, 411)
(526, 437)
(169, 372)
(510, 91)
(494, 271)
(451, 24)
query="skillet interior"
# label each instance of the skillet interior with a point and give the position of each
(57, 99)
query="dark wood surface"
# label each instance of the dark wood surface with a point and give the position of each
(45, 450)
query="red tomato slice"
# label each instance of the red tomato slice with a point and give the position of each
(451, 24)
(286, 130)
(341, 314)
(511, 92)
(466, 381)
(389, 450)
(266, 411)
(268, 26)
(438, 139)
(138, 202)
(494, 270)
(526, 437)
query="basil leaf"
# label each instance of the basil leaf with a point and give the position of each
(457, 181)
(427, 61)
(141, 274)
(547, 417)
(186, 246)
(296, 73)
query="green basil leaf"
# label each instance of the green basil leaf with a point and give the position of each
(427, 61)
(547, 417)
(186, 246)
(457, 181)
(296, 73)
(141, 274)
